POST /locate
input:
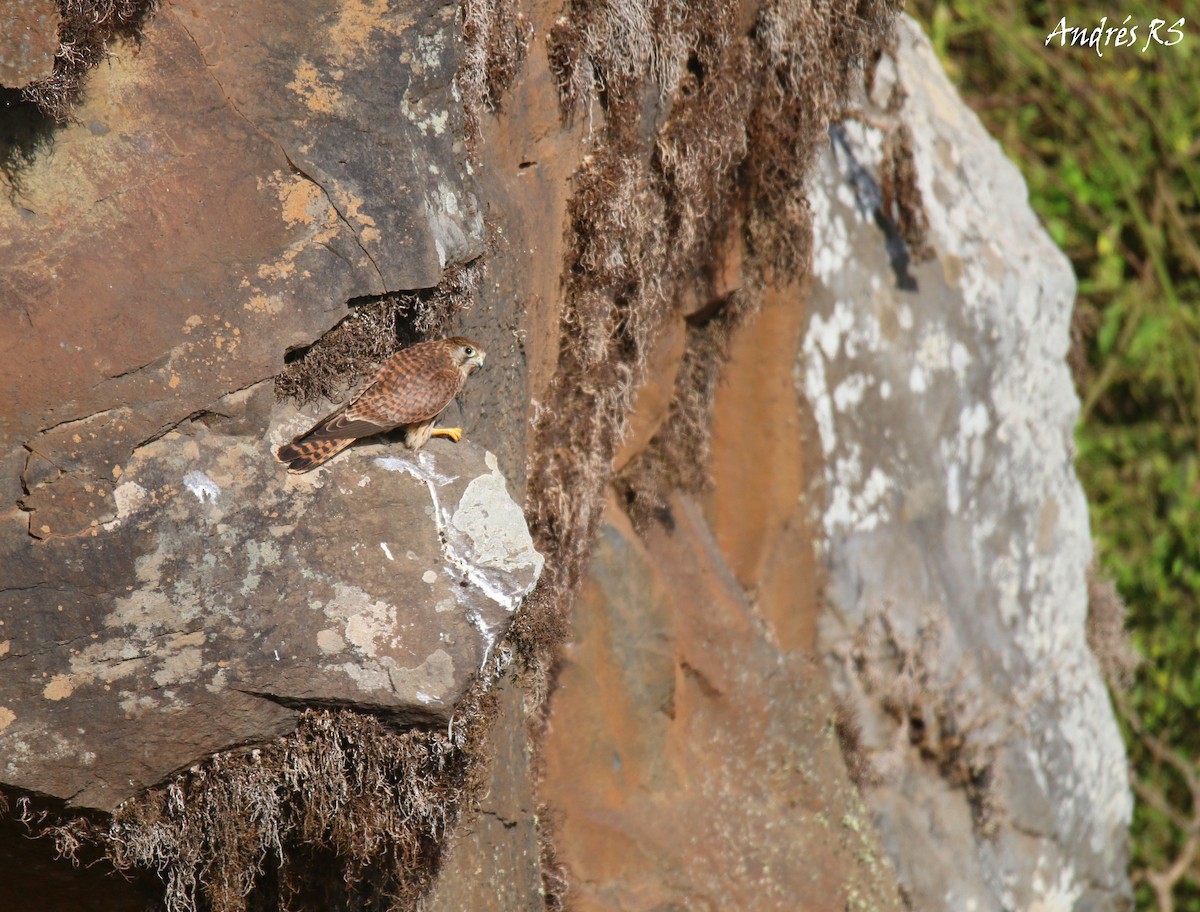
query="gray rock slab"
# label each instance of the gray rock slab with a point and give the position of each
(955, 529)
(219, 594)
(494, 862)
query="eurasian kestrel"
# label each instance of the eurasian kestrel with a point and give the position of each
(409, 390)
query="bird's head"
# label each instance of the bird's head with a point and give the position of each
(466, 353)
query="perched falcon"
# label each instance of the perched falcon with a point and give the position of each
(409, 391)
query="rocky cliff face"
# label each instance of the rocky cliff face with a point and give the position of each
(954, 528)
(579, 654)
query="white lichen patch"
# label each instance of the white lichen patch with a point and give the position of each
(849, 392)
(1056, 884)
(203, 487)
(330, 642)
(181, 661)
(433, 676)
(259, 555)
(495, 526)
(368, 678)
(129, 497)
(146, 611)
(368, 624)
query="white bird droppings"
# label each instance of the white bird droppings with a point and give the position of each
(202, 486)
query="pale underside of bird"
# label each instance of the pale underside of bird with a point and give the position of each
(409, 391)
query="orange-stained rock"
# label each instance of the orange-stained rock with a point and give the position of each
(694, 763)
(214, 202)
(723, 276)
(758, 470)
(653, 401)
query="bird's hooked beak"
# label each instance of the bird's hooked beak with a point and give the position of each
(477, 359)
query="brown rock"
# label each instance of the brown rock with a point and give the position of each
(527, 157)
(652, 403)
(388, 153)
(193, 225)
(694, 763)
(28, 41)
(494, 863)
(755, 506)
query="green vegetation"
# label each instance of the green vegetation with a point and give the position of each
(1108, 145)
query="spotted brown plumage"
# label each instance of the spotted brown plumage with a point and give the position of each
(409, 391)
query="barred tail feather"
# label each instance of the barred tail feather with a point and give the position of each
(302, 455)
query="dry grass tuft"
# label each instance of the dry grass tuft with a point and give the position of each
(379, 803)
(676, 457)
(848, 728)
(902, 201)
(934, 707)
(1107, 637)
(555, 884)
(495, 38)
(376, 329)
(344, 813)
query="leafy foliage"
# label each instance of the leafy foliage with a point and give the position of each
(1107, 140)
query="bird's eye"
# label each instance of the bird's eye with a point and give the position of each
(469, 351)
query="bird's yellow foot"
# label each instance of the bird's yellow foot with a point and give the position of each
(454, 434)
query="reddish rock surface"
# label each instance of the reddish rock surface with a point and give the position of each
(757, 506)
(695, 763)
(28, 41)
(652, 403)
(190, 226)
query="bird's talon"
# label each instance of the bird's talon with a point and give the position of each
(454, 434)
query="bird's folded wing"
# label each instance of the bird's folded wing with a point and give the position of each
(392, 401)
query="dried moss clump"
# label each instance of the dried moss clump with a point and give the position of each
(85, 28)
(1107, 636)
(495, 37)
(376, 328)
(345, 813)
(933, 706)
